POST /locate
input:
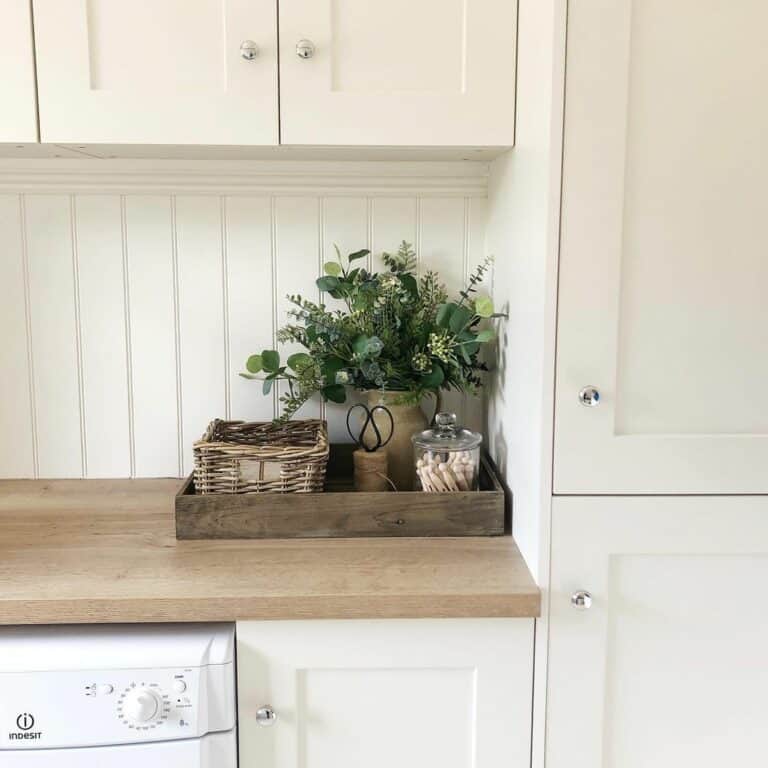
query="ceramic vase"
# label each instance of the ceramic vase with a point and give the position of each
(408, 419)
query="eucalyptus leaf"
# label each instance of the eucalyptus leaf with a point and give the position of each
(331, 367)
(300, 361)
(444, 312)
(360, 345)
(485, 335)
(484, 306)
(270, 360)
(248, 376)
(267, 386)
(335, 393)
(254, 364)
(332, 268)
(328, 283)
(460, 317)
(434, 378)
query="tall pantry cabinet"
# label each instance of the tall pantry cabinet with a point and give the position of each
(659, 539)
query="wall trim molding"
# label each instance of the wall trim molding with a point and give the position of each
(233, 177)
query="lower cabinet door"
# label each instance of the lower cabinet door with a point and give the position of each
(449, 693)
(663, 663)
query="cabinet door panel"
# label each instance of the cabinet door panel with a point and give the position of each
(436, 72)
(18, 118)
(663, 270)
(382, 693)
(167, 72)
(667, 667)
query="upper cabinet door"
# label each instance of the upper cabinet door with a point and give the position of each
(18, 116)
(432, 72)
(165, 72)
(664, 265)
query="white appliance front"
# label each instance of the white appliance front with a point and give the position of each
(217, 750)
(109, 695)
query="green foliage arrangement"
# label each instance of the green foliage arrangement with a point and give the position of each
(388, 330)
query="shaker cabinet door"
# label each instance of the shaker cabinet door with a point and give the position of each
(378, 694)
(18, 117)
(666, 667)
(432, 72)
(664, 267)
(163, 72)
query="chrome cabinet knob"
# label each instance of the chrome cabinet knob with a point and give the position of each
(581, 600)
(265, 716)
(305, 49)
(249, 50)
(589, 397)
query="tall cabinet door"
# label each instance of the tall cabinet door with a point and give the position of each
(667, 666)
(664, 264)
(18, 116)
(163, 72)
(432, 72)
(378, 694)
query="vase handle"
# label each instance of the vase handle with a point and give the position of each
(438, 395)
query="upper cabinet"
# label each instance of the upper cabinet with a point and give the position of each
(663, 269)
(432, 72)
(18, 118)
(168, 72)
(396, 73)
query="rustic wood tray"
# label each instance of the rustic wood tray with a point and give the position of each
(341, 512)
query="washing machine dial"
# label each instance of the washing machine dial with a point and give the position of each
(142, 706)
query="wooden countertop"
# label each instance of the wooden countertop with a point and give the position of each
(74, 551)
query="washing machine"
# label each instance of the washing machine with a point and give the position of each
(153, 696)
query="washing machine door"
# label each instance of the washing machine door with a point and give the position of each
(216, 750)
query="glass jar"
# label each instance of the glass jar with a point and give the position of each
(446, 458)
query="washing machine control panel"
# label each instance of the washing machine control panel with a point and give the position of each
(68, 708)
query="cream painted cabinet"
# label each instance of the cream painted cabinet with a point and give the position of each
(378, 694)
(170, 72)
(432, 72)
(664, 267)
(18, 116)
(667, 667)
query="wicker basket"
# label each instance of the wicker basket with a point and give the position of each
(240, 457)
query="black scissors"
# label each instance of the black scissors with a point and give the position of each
(371, 422)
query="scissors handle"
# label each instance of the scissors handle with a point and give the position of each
(370, 421)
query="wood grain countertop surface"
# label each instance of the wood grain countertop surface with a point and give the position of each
(77, 551)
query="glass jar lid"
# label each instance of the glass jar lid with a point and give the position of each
(447, 436)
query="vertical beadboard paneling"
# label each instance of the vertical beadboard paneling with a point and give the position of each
(129, 315)
(346, 224)
(394, 219)
(54, 335)
(474, 416)
(249, 299)
(297, 245)
(151, 317)
(201, 286)
(98, 229)
(17, 448)
(443, 249)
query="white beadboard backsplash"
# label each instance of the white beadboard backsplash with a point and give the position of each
(126, 317)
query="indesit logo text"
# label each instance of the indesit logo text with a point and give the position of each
(25, 723)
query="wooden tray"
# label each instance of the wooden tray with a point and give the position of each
(341, 512)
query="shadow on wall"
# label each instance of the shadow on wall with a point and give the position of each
(493, 404)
